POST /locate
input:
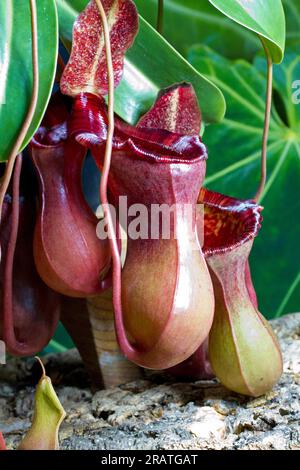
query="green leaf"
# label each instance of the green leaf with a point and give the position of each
(234, 167)
(47, 418)
(190, 22)
(150, 65)
(264, 17)
(16, 67)
(292, 12)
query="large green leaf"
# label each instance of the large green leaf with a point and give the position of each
(16, 66)
(264, 17)
(234, 167)
(150, 65)
(190, 22)
(292, 12)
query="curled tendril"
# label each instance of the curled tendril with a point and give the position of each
(31, 110)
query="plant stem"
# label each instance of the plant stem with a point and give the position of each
(124, 344)
(117, 268)
(30, 113)
(42, 366)
(8, 268)
(160, 16)
(263, 176)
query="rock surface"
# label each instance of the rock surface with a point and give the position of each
(158, 413)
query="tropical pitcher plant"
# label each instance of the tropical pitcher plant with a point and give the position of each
(184, 302)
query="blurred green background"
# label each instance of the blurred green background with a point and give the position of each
(231, 57)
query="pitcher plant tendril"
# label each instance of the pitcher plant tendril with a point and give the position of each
(263, 176)
(31, 109)
(116, 259)
(42, 366)
(117, 266)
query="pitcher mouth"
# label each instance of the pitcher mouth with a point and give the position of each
(228, 222)
(89, 127)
